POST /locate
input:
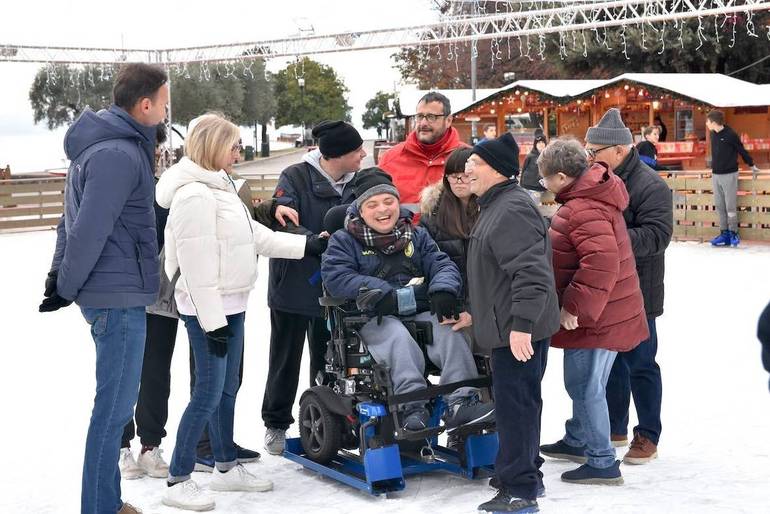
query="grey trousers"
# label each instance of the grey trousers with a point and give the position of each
(726, 199)
(391, 344)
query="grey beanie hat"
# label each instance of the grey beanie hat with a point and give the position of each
(370, 182)
(610, 130)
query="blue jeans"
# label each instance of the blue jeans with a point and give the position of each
(119, 338)
(585, 378)
(212, 401)
(637, 373)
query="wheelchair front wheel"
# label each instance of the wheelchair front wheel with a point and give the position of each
(320, 430)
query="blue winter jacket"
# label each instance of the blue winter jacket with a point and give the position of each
(347, 265)
(107, 244)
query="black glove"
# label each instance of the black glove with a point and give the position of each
(444, 306)
(217, 340)
(53, 302)
(388, 305)
(315, 245)
(50, 282)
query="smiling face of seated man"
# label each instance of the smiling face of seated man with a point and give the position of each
(380, 212)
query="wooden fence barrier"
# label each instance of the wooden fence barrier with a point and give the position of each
(695, 216)
(262, 186)
(39, 202)
(31, 202)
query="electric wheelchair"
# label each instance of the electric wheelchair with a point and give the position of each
(349, 421)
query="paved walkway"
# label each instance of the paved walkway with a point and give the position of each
(274, 165)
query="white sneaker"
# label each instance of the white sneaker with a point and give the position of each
(188, 495)
(129, 469)
(238, 479)
(275, 441)
(153, 464)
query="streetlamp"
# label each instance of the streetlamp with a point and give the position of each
(301, 83)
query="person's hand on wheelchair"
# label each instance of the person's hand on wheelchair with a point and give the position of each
(465, 321)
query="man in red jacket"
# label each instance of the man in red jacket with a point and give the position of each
(419, 161)
(602, 309)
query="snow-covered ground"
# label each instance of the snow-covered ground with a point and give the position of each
(714, 452)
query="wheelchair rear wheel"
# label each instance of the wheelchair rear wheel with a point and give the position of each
(320, 429)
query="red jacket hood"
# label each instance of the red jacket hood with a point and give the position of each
(449, 141)
(598, 183)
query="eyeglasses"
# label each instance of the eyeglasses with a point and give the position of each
(458, 178)
(428, 117)
(237, 147)
(591, 152)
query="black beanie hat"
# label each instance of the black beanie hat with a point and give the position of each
(501, 153)
(539, 136)
(370, 182)
(336, 138)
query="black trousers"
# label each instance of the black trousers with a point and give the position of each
(151, 412)
(518, 408)
(287, 340)
(152, 406)
(204, 445)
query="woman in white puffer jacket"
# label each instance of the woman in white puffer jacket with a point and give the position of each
(212, 240)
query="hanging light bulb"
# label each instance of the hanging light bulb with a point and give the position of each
(606, 94)
(655, 105)
(625, 87)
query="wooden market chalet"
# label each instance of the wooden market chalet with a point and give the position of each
(677, 101)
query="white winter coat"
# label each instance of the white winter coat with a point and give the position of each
(213, 239)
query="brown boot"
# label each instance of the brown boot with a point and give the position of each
(619, 441)
(127, 508)
(642, 451)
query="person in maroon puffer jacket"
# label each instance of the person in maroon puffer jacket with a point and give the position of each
(602, 309)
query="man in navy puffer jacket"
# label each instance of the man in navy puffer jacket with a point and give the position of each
(106, 260)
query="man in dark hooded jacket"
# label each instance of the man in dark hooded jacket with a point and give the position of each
(106, 260)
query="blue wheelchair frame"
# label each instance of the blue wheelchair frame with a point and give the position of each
(382, 469)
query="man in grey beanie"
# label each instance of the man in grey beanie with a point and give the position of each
(649, 218)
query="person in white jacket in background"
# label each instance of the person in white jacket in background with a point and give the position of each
(213, 242)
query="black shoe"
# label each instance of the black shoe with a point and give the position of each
(494, 483)
(416, 419)
(563, 451)
(586, 474)
(504, 502)
(245, 455)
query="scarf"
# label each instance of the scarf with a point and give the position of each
(390, 243)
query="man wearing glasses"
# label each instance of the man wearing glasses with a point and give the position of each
(649, 218)
(419, 161)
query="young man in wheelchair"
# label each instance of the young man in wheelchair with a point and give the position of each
(380, 249)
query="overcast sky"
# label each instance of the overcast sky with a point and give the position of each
(173, 23)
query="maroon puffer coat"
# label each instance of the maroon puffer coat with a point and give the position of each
(594, 265)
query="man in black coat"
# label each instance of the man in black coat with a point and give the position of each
(515, 312)
(311, 187)
(649, 218)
